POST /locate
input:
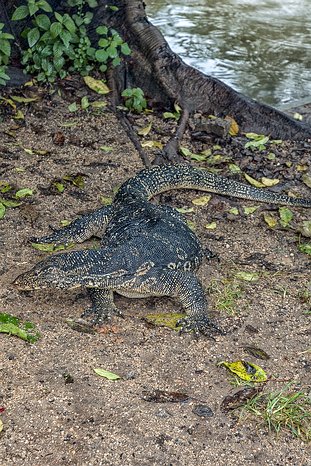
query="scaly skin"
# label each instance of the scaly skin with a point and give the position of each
(146, 250)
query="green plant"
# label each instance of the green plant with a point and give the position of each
(5, 52)
(134, 99)
(227, 293)
(283, 410)
(59, 44)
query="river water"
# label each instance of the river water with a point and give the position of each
(260, 47)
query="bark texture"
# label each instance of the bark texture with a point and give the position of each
(165, 78)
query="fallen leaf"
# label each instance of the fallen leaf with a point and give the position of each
(51, 247)
(253, 182)
(234, 127)
(234, 168)
(298, 116)
(144, 131)
(305, 228)
(108, 375)
(269, 181)
(24, 100)
(73, 107)
(155, 144)
(211, 226)
(14, 326)
(9, 202)
(245, 370)
(23, 193)
(256, 352)
(2, 210)
(96, 85)
(106, 200)
(305, 248)
(286, 216)
(239, 398)
(184, 210)
(99, 104)
(169, 320)
(270, 220)
(247, 276)
(106, 148)
(1, 425)
(201, 201)
(250, 210)
(234, 211)
(306, 179)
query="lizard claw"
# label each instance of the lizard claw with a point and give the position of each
(201, 325)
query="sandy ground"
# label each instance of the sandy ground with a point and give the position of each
(57, 411)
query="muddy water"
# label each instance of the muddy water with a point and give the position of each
(260, 47)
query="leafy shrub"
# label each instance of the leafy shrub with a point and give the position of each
(5, 52)
(59, 44)
(134, 99)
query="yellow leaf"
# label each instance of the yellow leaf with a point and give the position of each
(269, 181)
(165, 320)
(245, 370)
(270, 220)
(98, 104)
(234, 127)
(96, 85)
(253, 182)
(144, 131)
(19, 115)
(203, 200)
(156, 144)
(211, 226)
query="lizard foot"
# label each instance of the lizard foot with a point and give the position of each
(100, 315)
(199, 325)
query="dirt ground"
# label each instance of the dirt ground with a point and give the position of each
(57, 411)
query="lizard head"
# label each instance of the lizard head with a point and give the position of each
(53, 272)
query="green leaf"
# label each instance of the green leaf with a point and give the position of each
(247, 276)
(69, 24)
(24, 100)
(50, 247)
(9, 202)
(169, 320)
(55, 29)
(305, 248)
(20, 13)
(45, 6)
(106, 148)
(125, 49)
(59, 186)
(250, 210)
(73, 107)
(33, 36)
(108, 375)
(211, 226)
(85, 103)
(102, 30)
(2, 210)
(286, 216)
(33, 8)
(14, 326)
(59, 17)
(23, 193)
(5, 47)
(43, 21)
